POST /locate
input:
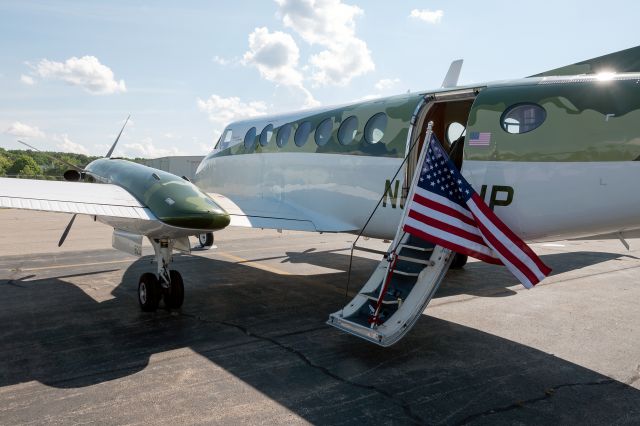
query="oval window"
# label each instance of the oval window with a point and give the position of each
(323, 132)
(283, 135)
(250, 138)
(266, 135)
(522, 118)
(348, 130)
(375, 127)
(454, 131)
(302, 133)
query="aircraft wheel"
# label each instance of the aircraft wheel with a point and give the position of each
(148, 292)
(205, 240)
(174, 295)
(459, 260)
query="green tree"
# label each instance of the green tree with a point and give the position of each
(24, 165)
(5, 163)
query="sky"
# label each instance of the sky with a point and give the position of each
(72, 71)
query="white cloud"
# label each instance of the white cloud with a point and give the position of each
(67, 145)
(386, 84)
(86, 72)
(276, 56)
(25, 79)
(24, 131)
(221, 61)
(426, 15)
(222, 111)
(330, 24)
(146, 149)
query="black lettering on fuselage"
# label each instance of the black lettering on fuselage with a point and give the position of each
(502, 200)
(501, 195)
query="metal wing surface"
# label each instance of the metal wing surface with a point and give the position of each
(71, 197)
(271, 214)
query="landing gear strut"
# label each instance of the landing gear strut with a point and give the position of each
(167, 284)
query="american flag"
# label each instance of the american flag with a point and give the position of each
(479, 138)
(447, 211)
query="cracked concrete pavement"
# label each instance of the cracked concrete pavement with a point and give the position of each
(250, 345)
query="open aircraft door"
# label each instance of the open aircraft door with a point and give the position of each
(405, 281)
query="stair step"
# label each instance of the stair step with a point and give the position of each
(407, 274)
(409, 246)
(414, 260)
(386, 300)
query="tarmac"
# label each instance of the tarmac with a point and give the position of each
(250, 344)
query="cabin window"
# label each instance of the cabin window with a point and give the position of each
(323, 132)
(348, 130)
(266, 135)
(283, 135)
(302, 133)
(250, 138)
(375, 128)
(522, 118)
(454, 131)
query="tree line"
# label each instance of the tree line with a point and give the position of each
(34, 164)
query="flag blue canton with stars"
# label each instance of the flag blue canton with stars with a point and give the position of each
(439, 175)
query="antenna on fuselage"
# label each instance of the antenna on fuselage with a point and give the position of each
(451, 79)
(117, 139)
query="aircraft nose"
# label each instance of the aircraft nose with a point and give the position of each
(210, 220)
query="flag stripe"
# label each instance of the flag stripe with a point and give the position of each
(526, 250)
(517, 246)
(442, 217)
(447, 227)
(444, 209)
(444, 201)
(445, 241)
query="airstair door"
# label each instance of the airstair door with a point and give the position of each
(399, 289)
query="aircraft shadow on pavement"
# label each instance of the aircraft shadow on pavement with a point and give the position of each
(268, 330)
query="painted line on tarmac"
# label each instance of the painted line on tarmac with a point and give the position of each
(251, 263)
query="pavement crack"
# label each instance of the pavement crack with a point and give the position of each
(405, 406)
(548, 393)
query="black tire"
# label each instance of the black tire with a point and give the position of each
(174, 295)
(205, 240)
(459, 260)
(149, 292)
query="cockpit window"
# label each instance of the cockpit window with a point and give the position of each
(522, 118)
(250, 138)
(225, 139)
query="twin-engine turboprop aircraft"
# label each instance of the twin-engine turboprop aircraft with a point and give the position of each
(555, 155)
(136, 201)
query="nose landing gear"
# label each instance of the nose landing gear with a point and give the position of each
(167, 284)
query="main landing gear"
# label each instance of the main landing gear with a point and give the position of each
(167, 284)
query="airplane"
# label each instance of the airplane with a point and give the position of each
(136, 201)
(553, 154)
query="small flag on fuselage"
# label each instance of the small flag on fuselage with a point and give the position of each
(447, 211)
(479, 138)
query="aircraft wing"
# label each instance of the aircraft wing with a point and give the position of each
(71, 197)
(272, 214)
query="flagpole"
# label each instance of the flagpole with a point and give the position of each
(414, 180)
(392, 258)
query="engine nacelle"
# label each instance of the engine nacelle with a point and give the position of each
(72, 175)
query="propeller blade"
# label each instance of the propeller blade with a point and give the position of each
(66, 163)
(117, 139)
(66, 231)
